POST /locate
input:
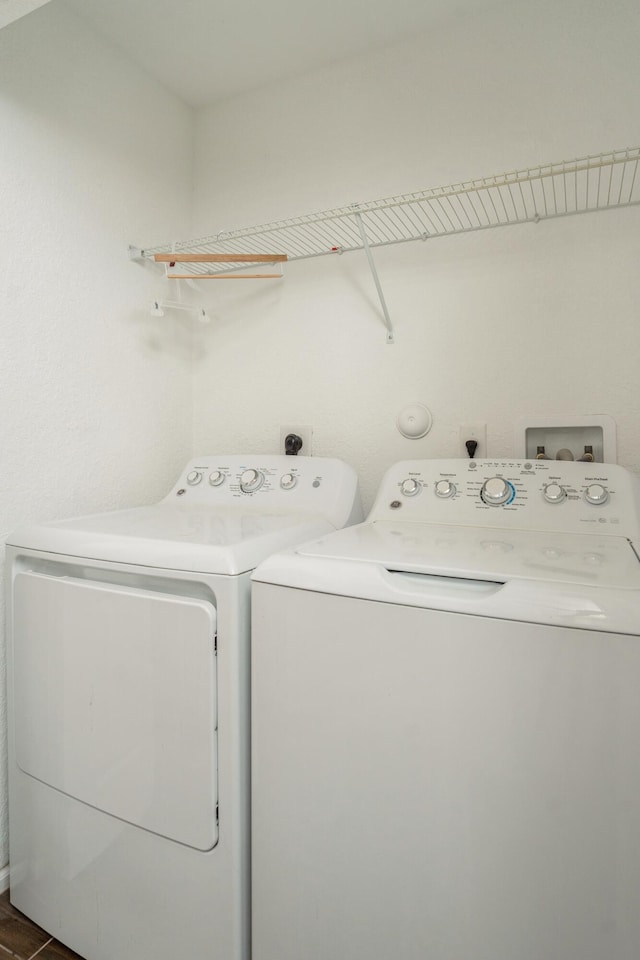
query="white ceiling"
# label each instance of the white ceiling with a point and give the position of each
(207, 50)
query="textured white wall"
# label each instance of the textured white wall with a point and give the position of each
(95, 394)
(11, 10)
(532, 320)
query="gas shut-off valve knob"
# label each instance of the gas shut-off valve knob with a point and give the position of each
(596, 494)
(251, 480)
(409, 487)
(445, 489)
(554, 493)
(495, 491)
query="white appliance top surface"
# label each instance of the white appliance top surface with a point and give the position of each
(484, 553)
(545, 542)
(209, 527)
(556, 521)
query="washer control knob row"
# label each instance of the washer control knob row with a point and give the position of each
(596, 494)
(194, 477)
(216, 478)
(251, 480)
(288, 481)
(554, 493)
(445, 489)
(409, 487)
(496, 491)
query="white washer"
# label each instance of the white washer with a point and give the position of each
(446, 722)
(129, 706)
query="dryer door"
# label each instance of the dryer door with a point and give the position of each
(115, 701)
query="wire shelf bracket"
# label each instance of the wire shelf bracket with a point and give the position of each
(601, 182)
(374, 273)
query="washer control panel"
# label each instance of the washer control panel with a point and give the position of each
(527, 494)
(262, 482)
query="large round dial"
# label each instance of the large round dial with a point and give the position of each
(194, 477)
(409, 487)
(596, 494)
(496, 491)
(445, 489)
(251, 480)
(554, 493)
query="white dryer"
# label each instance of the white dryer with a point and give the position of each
(129, 706)
(446, 722)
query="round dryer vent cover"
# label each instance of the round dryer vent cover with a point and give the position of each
(414, 421)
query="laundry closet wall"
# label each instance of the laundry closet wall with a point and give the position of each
(532, 320)
(95, 394)
(537, 320)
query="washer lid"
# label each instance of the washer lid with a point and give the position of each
(571, 580)
(484, 553)
(228, 540)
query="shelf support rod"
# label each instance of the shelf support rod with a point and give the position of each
(374, 273)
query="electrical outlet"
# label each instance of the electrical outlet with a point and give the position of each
(305, 434)
(477, 432)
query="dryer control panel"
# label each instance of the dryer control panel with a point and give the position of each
(563, 496)
(263, 482)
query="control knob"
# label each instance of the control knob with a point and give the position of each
(410, 487)
(251, 480)
(445, 489)
(554, 493)
(496, 491)
(596, 494)
(194, 477)
(288, 481)
(216, 478)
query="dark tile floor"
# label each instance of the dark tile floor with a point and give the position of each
(22, 939)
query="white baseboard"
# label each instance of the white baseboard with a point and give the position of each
(4, 879)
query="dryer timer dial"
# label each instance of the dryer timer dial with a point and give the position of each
(251, 480)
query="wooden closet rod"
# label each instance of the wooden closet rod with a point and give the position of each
(224, 276)
(219, 257)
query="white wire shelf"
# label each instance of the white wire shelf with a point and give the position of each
(585, 185)
(601, 182)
